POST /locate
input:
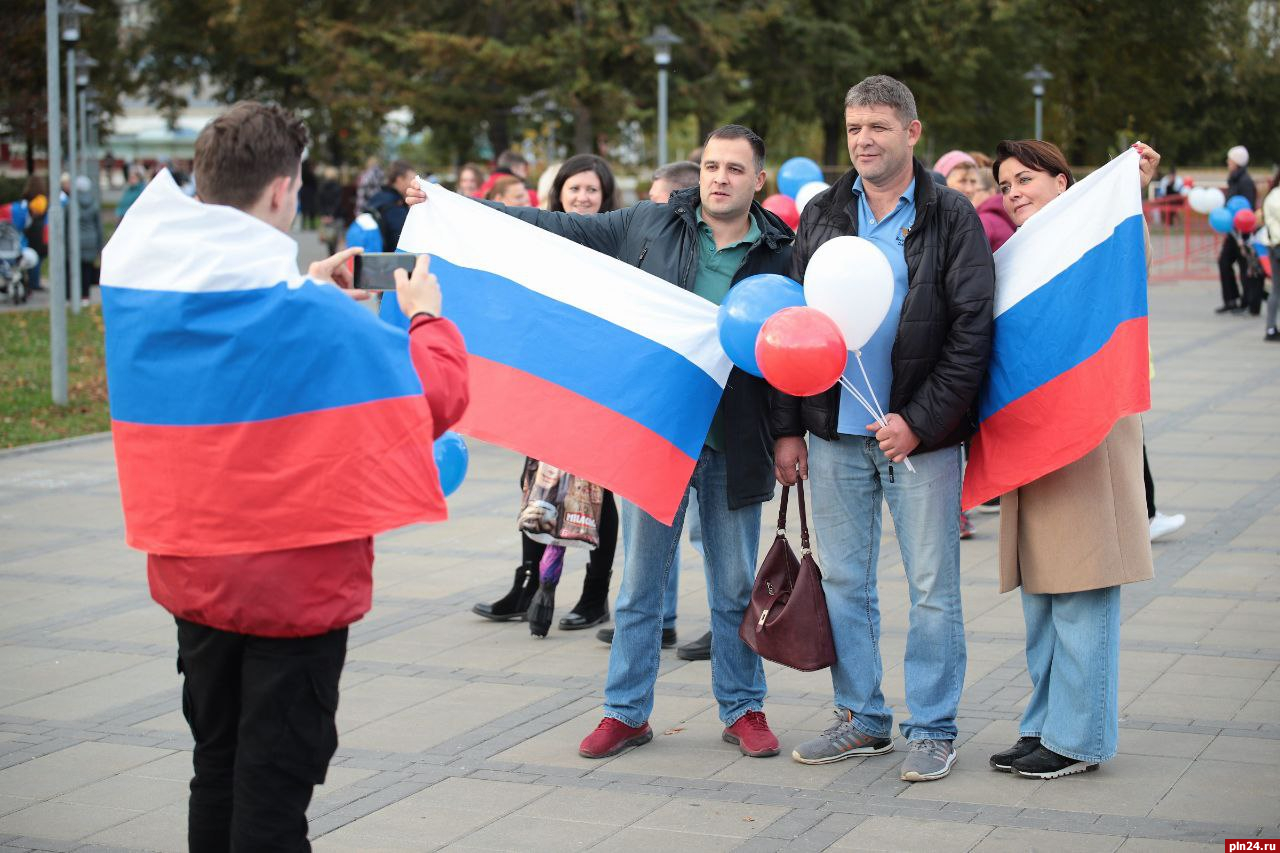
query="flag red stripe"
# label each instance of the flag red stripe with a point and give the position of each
(527, 414)
(1062, 420)
(256, 484)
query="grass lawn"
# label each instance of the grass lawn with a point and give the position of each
(27, 412)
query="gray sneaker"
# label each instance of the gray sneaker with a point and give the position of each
(840, 741)
(928, 760)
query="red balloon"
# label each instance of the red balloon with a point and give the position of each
(784, 207)
(1245, 221)
(1188, 182)
(801, 351)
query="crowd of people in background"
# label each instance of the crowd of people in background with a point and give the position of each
(332, 198)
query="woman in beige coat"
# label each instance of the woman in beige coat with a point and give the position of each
(1070, 539)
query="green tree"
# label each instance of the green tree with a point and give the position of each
(23, 97)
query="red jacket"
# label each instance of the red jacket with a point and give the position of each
(995, 221)
(301, 592)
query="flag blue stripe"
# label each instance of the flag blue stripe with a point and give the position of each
(202, 359)
(581, 352)
(1068, 319)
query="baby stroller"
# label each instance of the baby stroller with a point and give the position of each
(15, 261)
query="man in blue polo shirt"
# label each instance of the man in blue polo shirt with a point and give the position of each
(925, 364)
(889, 234)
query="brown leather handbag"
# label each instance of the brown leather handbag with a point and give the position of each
(787, 619)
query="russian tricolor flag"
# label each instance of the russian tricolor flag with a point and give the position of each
(576, 358)
(252, 409)
(1069, 352)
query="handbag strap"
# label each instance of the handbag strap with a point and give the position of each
(804, 517)
(782, 512)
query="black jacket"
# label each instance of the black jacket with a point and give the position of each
(1239, 183)
(944, 333)
(662, 239)
(389, 211)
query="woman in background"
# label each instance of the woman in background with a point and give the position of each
(470, 178)
(584, 184)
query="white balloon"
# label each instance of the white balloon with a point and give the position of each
(1200, 200)
(850, 280)
(808, 191)
(1217, 198)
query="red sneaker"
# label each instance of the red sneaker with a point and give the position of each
(612, 736)
(751, 734)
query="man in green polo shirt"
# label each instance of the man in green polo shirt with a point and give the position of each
(702, 239)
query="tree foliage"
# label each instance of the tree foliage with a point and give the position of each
(1192, 77)
(24, 94)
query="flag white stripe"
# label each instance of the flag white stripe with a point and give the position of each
(169, 241)
(471, 235)
(1066, 228)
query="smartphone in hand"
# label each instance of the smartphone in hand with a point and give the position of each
(376, 270)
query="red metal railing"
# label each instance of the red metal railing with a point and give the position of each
(1183, 246)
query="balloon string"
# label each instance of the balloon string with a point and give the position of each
(875, 415)
(858, 355)
(857, 395)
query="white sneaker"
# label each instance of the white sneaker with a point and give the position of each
(1162, 525)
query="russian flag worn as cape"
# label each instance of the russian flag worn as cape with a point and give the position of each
(1069, 354)
(575, 358)
(252, 409)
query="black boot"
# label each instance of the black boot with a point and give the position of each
(541, 609)
(515, 603)
(593, 607)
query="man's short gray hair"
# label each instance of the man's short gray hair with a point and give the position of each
(883, 90)
(682, 173)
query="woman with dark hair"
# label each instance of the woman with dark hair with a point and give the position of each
(584, 185)
(1070, 539)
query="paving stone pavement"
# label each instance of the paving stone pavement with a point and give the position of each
(460, 733)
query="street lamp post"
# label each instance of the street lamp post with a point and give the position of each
(662, 41)
(57, 259)
(84, 67)
(91, 116)
(72, 12)
(1038, 75)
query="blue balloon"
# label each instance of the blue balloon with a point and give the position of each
(795, 173)
(1237, 203)
(750, 302)
(1221, 219)
(451, 456)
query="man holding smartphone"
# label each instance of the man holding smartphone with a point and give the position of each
(262, 635)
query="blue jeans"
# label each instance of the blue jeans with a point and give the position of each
(732, 539)
(848, 478)
(1073, 657)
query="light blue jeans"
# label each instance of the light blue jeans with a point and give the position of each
(731, 539)
(1073, 657)
(848, 478)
